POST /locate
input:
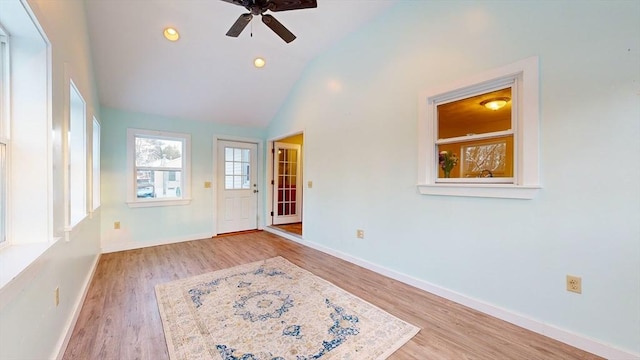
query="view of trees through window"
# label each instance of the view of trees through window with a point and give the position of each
(158, 167)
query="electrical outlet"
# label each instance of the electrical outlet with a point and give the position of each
(360, 234)
(309, 184)
(574, 284)
(116, 225)
(56, 296)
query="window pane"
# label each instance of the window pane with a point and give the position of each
(469, 116)
(237, 168)
(153, 152)
(3, 193)
(77, 143)
(489, 158)
(96, 164)
(481, 158)
(159, 184)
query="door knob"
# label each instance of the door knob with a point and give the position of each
(255, 191)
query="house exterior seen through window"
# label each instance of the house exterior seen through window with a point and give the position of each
(159, 167)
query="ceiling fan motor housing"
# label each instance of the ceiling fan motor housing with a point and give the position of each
(259, 7)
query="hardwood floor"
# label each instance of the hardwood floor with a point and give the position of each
(295, 228)
(120, 319)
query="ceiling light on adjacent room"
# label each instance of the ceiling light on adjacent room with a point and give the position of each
(495, 103)
(171, 34)
(259, 62)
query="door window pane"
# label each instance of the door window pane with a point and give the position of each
(288, 169)
(237, 168)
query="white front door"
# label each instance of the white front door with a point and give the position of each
(237, 186)
(287, 191)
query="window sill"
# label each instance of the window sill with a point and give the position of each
(154, 202)
(502, 191)
(16, 259)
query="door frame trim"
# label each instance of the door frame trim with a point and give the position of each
(259, 180)
(269, 175)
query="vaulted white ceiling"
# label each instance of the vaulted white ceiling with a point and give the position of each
(206, 75)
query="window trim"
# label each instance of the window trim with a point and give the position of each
(132, 200)
(95, 164)
(72, 191)
(526, 182)
(30, 122)
(5, 112)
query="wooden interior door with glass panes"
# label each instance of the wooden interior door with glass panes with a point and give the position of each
(287, 191)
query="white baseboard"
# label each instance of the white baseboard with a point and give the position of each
(71, 323)
(576, 340)
(122, 246)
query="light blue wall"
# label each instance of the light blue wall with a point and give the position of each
(358, 107)
(142, 227)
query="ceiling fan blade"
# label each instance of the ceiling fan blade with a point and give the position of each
(284, 5)
(239, 25)
(236, 2)
(278, 28)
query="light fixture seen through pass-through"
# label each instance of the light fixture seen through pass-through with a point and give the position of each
(495, 103)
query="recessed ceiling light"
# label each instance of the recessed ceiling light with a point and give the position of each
(171, 34)
(259, 62)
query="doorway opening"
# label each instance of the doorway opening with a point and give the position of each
(286, 184)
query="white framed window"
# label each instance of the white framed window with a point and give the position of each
(28, 146)
(77, 156)
(95, 173)
(4, 141)
(479, 136)
(158, 168)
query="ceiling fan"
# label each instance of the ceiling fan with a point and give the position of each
(259, 7)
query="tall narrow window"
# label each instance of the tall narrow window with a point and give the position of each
(77, 157)
(26, 156)
(159, 168)
(96, 165)
(4, 118)
(3, 194)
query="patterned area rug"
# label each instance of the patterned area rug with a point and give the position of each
(273, 310)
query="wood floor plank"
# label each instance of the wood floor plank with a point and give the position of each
(120, 318)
